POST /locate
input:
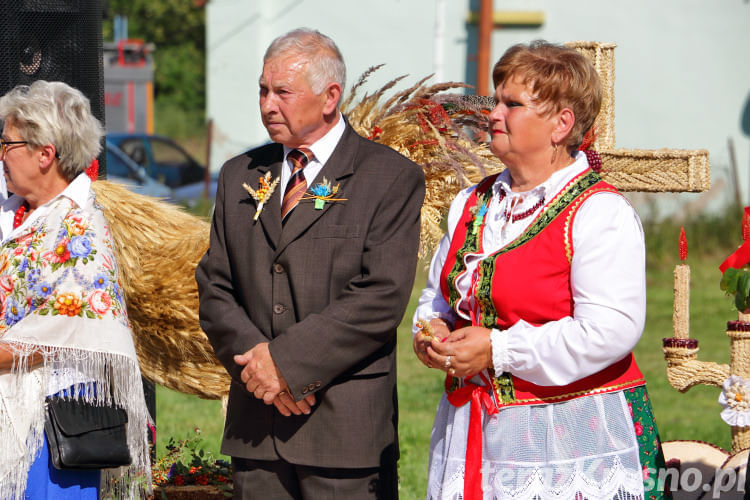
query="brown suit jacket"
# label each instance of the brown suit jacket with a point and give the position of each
(327, 291)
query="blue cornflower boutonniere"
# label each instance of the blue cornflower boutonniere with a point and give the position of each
(321, 193)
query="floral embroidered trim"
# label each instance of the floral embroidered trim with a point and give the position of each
(504, 389)
(471, 241)
(321, 193)
(266, 187)
(572, 395)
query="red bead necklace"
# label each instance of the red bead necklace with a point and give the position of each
(522, 215)
(20, 212)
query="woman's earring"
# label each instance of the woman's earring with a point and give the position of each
(554, 153)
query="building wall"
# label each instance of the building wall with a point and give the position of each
(398, 33)
(682, 76)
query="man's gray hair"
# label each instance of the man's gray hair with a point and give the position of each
(324, 63)
(55, 113)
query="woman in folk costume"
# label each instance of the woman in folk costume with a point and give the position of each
(534, 302)
(63, 325)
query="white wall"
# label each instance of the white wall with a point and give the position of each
(398, 33)
(682, 72)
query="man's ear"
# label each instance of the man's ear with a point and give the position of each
(564, 121)
(332, 95)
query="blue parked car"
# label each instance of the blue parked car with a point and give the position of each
(166, 162)
(123, 170)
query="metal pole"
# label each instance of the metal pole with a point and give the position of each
(483, 56)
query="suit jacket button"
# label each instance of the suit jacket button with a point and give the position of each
(278, 268)
(305, 390)
(318, 383)
(279, 308)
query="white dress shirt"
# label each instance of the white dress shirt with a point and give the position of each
(322, 150)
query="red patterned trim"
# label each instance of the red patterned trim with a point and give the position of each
(738, 326)
(683, 343)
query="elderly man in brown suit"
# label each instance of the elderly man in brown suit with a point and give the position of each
(302, 304)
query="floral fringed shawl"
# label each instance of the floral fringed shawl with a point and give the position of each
(60, 298)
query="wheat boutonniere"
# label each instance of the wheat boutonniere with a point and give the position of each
(265, 189)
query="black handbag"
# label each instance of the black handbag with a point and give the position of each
(83, 435)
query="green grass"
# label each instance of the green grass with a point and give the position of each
(694, 415)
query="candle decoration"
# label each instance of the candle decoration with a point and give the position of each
(681, 313)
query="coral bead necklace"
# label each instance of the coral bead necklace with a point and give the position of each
(20, 212)
(522, 215)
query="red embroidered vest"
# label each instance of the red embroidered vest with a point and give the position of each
(529, 279)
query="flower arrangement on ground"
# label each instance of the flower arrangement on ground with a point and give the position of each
(186, 464)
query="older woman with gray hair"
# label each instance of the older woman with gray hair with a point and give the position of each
(64, 330)
(528, 316)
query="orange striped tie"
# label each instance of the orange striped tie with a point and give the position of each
(297, 185)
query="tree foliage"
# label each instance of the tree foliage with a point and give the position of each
(177, 28)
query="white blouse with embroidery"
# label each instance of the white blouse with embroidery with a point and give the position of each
(586, 445)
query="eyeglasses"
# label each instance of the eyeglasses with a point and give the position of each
(4, 144)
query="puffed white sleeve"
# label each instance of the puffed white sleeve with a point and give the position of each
(431, 302)
(608, 282)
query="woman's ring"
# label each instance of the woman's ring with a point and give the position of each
(448, 362)
(282, 393)
(452, 371)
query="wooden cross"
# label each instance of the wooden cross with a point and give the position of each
(675, 170)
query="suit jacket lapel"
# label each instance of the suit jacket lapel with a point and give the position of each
(270, 216)
(338, 167)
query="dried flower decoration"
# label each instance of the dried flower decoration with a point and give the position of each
(321, 193)
(425, 329)
(735, 401)
(266, 187)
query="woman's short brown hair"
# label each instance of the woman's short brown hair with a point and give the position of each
(559, 78)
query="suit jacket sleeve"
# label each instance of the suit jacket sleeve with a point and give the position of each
(356, 331)
(222, 317)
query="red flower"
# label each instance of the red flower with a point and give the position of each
(6, 282)
(645, 473)
(179, 480)
(202, 480)
(638, 428)
(375, 133)
(630, 407)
